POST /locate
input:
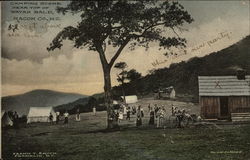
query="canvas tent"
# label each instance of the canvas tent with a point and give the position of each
(131, 99)
(115, 102)
(6, 120)
(40, 114)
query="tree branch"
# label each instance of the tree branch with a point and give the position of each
(101, 54)
(119, 52)
(175, 32)
(150, 27)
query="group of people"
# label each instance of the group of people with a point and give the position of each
(66, 117)
(158, 113)
(128, 111)
(124, 110)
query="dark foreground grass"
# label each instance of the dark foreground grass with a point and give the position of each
(87, 140)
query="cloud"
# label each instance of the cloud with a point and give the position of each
(29, 41)
(27, 65)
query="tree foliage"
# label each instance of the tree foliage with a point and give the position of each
(116, 23)
(133, 75)
(123, 74)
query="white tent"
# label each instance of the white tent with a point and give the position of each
(40, 114)
(115, 102)
(131, 99)
(6, 121)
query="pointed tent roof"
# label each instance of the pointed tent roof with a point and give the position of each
(6, 120)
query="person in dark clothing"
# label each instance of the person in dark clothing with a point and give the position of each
(138, 117)
(15, 120)
(179, 116)
(156, 108)
(151, 117)
(133, 110)
(51, 118)
(128, 113)
(142, 113)
(57, 117)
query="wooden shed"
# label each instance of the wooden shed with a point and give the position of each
(223, 96)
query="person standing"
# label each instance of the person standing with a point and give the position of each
(120, 117)
(174, 110)
(50, 118)
(124, 109)
(160, 116)
(57, 117)
(156, 108)
(128, 113)
(133, 110)
(149, 108)
(139, 116)
(78, 118)
(151, 117)
(66, 117)
(94, 110)
(179, 116)
(15, 120)
(142, 113)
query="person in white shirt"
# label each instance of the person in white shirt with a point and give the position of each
(120, 117)
(78, 118)
(94, 110)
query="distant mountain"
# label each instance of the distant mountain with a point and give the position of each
(184, 75)
(83, 104)
(37, 98)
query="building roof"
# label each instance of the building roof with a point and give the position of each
(223, 86)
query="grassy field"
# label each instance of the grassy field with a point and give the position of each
(88, 140)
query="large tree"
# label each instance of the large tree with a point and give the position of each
(121, 23)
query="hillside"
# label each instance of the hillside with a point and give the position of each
(37, 98)
(183, 75)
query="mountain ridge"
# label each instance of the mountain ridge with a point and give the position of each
(37, 98)
(184, 75)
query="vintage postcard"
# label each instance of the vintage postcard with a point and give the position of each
(125, 80)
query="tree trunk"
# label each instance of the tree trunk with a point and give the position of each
(123, 93)
(111, 115)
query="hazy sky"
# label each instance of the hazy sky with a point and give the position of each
(27, 65)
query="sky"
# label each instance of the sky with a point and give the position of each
(27, 65)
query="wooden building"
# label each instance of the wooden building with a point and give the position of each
(223, 96)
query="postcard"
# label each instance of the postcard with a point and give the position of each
(121, 80)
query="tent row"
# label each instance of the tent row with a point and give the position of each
(41, 114)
